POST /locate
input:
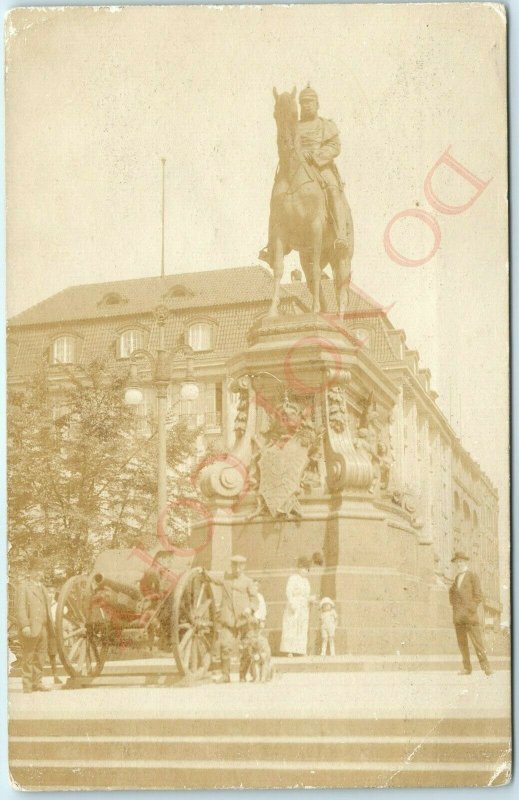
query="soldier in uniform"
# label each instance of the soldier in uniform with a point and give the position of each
(34, 620)
(320, 145)
(239, 601)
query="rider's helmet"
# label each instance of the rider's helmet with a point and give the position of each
(308, 93)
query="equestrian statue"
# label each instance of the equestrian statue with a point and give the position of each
(308, 209)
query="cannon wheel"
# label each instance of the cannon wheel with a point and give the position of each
(81, 648)
(193, 624)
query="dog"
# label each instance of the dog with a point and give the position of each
(259, 656)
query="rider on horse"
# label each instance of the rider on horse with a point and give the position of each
(320, 145)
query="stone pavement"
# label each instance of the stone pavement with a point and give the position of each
(412, 694)
(351, 729)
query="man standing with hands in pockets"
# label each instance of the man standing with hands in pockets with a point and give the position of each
(34, 619)
(465, 596)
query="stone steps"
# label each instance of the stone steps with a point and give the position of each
(250, 775)
(252, 753)
(445, 749)
(149, 669)
(460, 727)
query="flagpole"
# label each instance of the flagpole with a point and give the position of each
(162, 271)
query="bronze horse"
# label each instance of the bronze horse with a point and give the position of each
(299, 218)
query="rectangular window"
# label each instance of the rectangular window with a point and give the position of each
(64, 350)
(130, 341)
(206, 409)
(200, 336)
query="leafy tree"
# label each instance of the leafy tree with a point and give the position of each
(82, 474)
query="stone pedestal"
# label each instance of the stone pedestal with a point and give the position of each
(310, 473)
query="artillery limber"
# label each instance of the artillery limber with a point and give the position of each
(132, 599)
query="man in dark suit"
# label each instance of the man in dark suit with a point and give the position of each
(465, 596)
(34, 619)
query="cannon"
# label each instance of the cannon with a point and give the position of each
(135, 599)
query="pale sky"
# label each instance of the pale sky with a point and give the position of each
(95, 97)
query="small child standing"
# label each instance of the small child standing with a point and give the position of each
(328, 625)
(260, 615)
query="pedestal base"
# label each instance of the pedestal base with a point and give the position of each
(380, 576)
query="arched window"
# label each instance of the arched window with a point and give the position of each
(129, 341)
(63, 350)
(200, 336)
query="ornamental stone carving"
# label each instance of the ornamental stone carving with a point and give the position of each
(373, 441)
(348, 467)
(287, 458)
(228, 476)
(408, 501)
(272, 467)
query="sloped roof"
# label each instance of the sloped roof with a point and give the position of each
(220, 287)
(141, 295)
(232, 296)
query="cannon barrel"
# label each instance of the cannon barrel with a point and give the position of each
(117, 586)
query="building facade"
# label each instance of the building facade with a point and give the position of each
(455, 503)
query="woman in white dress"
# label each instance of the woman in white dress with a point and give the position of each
(294, 635)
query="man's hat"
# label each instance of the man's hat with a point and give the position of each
(306, 93)
(238, 559)
(459, 555)
(326, 600)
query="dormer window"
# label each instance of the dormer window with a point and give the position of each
(179, 290)
(129, 341)
(200, 336)
(63, 350)
(112, 299)
(363, 337)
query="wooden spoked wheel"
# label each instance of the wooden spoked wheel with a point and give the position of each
(193, 624)
(81, 641)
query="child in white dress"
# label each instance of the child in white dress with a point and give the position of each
(328, 625)
(260, 615)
